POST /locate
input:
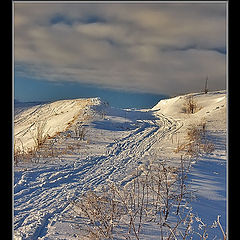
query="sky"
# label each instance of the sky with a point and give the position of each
(123, 52)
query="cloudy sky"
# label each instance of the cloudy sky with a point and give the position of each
(154, 48)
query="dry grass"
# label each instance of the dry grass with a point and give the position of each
(45, 147)
(158, 197)
(151, 197)
(195, 142)
(80, 131)
(46, 150)
(41, 134)
(190, 105)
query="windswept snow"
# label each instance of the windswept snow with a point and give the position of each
(116, 142)
(58, 116)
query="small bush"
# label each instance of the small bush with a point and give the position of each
(41, 134)
(153, 196)
(196, 142)
(157, 197)
(190, 105)
(80, 131)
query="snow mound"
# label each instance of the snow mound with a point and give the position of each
(210, 106)
(53, 117)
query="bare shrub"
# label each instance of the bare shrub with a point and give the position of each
(221, 228)
(195, 132)
(190, 105)
(196, 142)
(102, 211)
(21, 154)
(157, 196)
(41, 134)
(18, 155)
(204, 229)
(102, 113)
(151, 197)
(47, 149)
(80, 131)
(208, 147)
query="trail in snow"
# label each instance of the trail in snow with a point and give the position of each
(42, 192)
(115, 145)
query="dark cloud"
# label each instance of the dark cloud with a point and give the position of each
(158, 48)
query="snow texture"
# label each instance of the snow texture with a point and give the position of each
(116, 142)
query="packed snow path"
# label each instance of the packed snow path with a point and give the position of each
(43, 192)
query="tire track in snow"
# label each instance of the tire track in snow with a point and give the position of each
(43, 193)
(128, 151)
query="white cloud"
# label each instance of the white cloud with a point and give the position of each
(159, 48)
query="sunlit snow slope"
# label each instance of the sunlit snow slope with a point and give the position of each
(56, 117)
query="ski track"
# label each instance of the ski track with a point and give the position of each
(44, 192)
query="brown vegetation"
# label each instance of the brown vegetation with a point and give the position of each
(190, 105)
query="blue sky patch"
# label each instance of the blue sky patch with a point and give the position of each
(40, 90)
(59, 18)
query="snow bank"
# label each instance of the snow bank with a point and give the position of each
(211, 107)
(56, 117)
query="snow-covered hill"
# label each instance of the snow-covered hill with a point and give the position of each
(116, 141)
(54, 117)
(212, 107)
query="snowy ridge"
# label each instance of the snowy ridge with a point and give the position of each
(116, 142)
(97, 106)
(57, 117)
(209, 101)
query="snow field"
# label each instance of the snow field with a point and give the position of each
(117, 141)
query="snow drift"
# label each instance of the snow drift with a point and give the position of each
(55, 117)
